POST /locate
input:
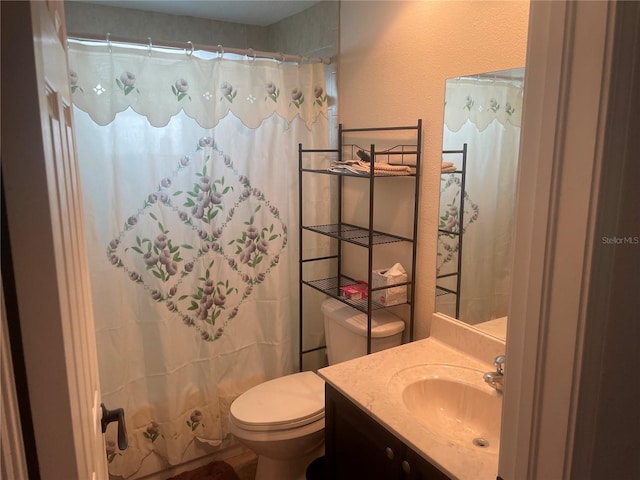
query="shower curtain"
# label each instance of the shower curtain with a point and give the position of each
(485, 115)
(189, 174)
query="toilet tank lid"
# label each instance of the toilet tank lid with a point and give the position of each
(383, 322)
(290, 401)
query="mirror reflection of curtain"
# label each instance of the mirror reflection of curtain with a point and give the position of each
(191, 220)
(486, 116)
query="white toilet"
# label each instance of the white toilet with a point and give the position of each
(282, 420)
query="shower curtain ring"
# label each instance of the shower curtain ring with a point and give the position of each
(253, 53)
(190, 52)
(220, 52)
(109, 42)
(150, 46)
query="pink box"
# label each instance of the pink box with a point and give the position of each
(355, 292)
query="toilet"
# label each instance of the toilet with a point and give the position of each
(282, 420)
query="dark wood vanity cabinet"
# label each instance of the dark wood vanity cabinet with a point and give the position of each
(356, 446)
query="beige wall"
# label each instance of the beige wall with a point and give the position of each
(394, 59)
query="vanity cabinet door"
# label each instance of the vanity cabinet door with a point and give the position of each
(417, 468)
(356, 446)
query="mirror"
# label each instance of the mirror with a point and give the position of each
(481, 137)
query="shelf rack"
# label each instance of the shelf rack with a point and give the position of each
(440, 290)
(362, 236)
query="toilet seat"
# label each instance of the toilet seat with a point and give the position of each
(284, 403)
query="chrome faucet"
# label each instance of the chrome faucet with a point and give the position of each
(496, 379)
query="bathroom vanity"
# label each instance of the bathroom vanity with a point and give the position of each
(417, 411)
(356, 446)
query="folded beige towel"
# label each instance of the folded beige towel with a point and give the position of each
(447, 164)
(382, 168)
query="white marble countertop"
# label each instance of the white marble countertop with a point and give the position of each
(365, 381)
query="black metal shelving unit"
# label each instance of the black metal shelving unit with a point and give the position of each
(363, 236)
(441, 290)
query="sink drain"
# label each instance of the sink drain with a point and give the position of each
(481, 442)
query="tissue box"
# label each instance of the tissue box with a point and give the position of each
(389, 276)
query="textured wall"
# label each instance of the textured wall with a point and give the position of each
(99, 19)
(394, 59)
(313, 32)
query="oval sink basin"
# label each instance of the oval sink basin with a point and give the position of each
(452, 402)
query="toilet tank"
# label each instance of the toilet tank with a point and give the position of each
(346, 331)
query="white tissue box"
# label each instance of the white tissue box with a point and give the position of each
(389, 276)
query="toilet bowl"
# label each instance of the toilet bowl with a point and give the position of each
(282, 420)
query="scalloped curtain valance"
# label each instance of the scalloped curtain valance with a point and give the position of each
(469, 100)
(158, 86)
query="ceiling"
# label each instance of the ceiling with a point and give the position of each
(254, 12)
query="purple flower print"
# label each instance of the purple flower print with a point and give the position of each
(205, 336)
(165, 182)
(188, 267)
(172, 268)
(153, 198)
(252, 232)
(509, 108)
(164, 198)
(161, 241)
(272, 91)
(195, 418)
(114, 243)
(73, 80)
(228, 92)
(156, 295)
(182, 85)
(208, 287)
(132, 220)
(152, 432)
(297, 98)
(128, 79)
(216, 198)
(165, 257)
(205, 183)
(184, 161)
(262, 245)
(110, 449)
(494, 106)
(318, 93)
(469, 103)
(219, 300)
(205, 142)
(127, 82)
(197, 211)
(180, 89)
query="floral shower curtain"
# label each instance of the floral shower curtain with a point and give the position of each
(485, 115)
(189, 176)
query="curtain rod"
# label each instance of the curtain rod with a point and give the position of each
(189, 47)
